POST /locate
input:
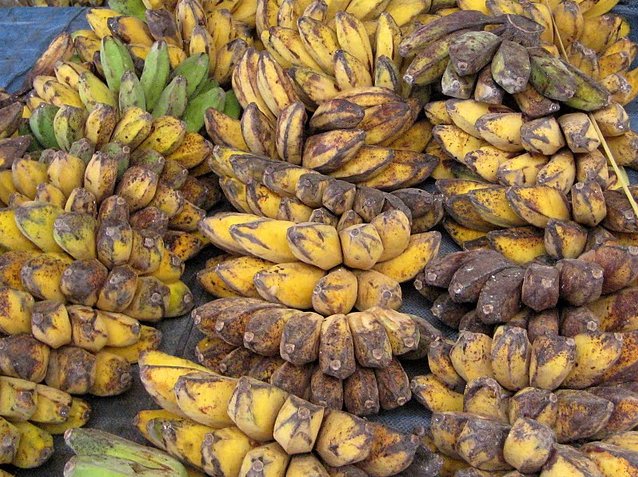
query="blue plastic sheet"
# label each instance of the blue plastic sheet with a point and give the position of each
(24, 35)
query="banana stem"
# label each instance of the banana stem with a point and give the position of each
(610, 156)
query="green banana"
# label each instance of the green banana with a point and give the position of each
(194, 69)
(206, 85)
(194, 113)
(232, 107)
(132, 8)
(550, 77)
(173, 100)
(590, 95)
(41, 123)
(68, 125)
(83, 149)
(104, 466)
(157, 68)
(120, 153)
(115, 60)
(131, 92)
(93, 442)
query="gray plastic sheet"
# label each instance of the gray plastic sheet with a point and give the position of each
(24, 35)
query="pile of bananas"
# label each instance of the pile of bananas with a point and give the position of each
(183, 91)
(535, 398)
(284, 191)
(494, 290)
(313, 265)
(255, 428)
(596, 41)
(31, 414)
(564, 344)
(340, 361)
(220, 30)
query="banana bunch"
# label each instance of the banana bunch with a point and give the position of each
(146, 161)
(115, 264)
(237, 428)
(535, 396)
(508, 218)
(290, 341)
(550, 362)
(530, 434)
(363, 393)
(338, 291)
(36, 328)
(76, 349)
(596, 41)
(500, 145)
(279, 264)
(101, 453)
(189, 28)
(163, 89)
(280, 190)
(369, 136)
(29, 414)
(487, 64)
(492, 289)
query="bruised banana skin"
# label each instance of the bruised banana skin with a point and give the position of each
(296, 425)
(290, 191)
(269, 329)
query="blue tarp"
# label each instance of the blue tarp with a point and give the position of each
(24, 35)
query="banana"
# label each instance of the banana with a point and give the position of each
(155, 73)
(522, 198)
(435, 395)
(159, 374)
(173, 99)
(35, 447)
(68, 126)
(596, 352)
(115, 61)
(316, 87)
(320, 40)
(254, 407)
(41, 124)
(100, 124)
(376, 289)
(257, 132)
(421, 249)
(343, 439)
(274, 85)
(275, 284)
(131, 92)
(336, 292)
(27, 174)
(350, 72)
(224, 130)
(93, 91)
(167, 133)
(225, 450)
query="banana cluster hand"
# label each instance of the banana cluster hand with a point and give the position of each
(255, 425)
